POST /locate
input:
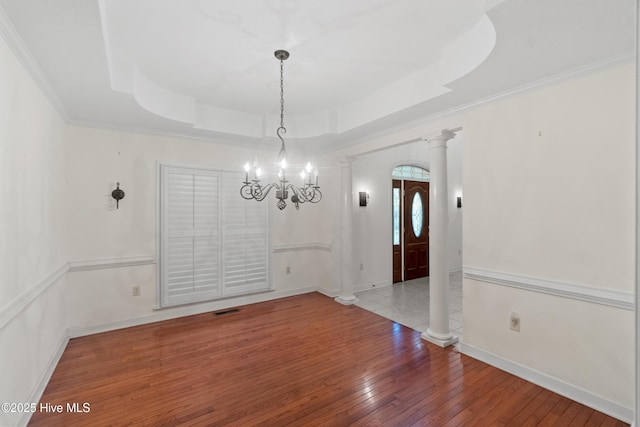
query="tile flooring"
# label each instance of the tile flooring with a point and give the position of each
(407, 303)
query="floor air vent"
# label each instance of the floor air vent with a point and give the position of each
(229, 311)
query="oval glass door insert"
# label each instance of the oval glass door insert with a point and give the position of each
(416, 214)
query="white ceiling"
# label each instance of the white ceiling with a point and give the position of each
(205, 68)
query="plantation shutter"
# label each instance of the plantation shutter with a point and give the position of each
(213, 243)
(245, 241)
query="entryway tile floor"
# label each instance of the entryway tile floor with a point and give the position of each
(407, 303)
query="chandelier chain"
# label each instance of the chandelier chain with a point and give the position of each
(281, 93)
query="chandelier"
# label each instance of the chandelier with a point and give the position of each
(253, 189)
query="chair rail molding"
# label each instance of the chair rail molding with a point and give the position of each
(295, 247)
(100, 263)
(602, 296)
(15, 307)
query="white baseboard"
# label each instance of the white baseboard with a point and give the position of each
(38, 390)
(550, 383)
(328, 292)
(188, 310)
(370, 286)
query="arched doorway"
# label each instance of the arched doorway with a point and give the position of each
(410, 222)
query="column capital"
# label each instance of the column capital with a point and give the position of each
(441, 139)
(347, 160)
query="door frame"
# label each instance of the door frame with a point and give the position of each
(423, 166)
(416, 247)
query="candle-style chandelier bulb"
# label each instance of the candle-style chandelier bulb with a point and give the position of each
(253, 189)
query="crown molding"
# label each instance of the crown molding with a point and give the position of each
(10, 34)
(627, 57)
(340, 144)
(12, 38)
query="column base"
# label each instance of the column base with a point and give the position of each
(442, 340)
(346, 300)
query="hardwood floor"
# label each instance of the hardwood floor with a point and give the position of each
(304, 360)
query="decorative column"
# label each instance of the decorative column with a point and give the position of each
(346, 296)
(636, 416)
(438, 331)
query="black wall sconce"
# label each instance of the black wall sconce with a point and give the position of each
(117, 194)
(459, 201)
(364, 198)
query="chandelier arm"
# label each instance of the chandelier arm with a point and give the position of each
(260, 192)
(299, 192)
(255, 191)
(312, 194)
(317, 195)
(246, 192)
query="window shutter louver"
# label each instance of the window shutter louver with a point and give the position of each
(245, 241)
(213, 242)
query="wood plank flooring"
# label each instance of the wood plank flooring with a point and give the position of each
(299, 361)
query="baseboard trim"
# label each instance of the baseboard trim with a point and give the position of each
(327, 292)
(372, 286)
(37, 392)
(295, 247)
(600, 296)
(550, 383)
(100, 263)
(15, 307)
(182, 311)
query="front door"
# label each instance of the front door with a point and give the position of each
(416, 229)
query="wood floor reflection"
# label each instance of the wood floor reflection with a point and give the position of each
(298, 361)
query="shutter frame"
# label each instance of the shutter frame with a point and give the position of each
(229, 237)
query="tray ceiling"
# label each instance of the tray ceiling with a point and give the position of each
(205, 68)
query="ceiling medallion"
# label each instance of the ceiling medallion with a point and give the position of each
(253, 189)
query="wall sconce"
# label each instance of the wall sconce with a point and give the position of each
(459, 201)
(364, 198)
(117, 194)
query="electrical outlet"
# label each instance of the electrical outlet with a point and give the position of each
(361, 266)
(135, 291)
(288, 270)
(514, 321)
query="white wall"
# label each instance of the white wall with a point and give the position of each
(548, 200)
(32, 252)
(549, 195)
(101, 298)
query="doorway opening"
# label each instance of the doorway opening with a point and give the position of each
(410, 222)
